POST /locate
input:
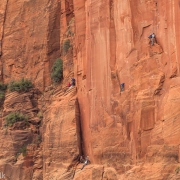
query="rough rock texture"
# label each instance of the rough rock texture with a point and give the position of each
(61, 142)
(141, 124)
(132, 134)
(29, 39)
(20, 135)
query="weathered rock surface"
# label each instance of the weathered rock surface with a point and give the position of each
(29, 39)
(132, 134)
(61, 147)
(141, 124)
(20, 145)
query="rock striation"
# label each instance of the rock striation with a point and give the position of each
(126, 130)
(131, 134)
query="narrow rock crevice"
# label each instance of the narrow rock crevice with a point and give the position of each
(53, 40)
(112, 37)
(1, 41)
(69, 9)
(78, 128)
(5, 13)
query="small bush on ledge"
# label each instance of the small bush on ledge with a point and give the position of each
(3, 87)
(57, 71)
(23, 150)
(14, 117)
(22, 85)
(2, 97)
(66, 45)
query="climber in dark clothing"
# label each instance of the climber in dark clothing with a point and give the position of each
(85, 162)
(73, 82)
(152, 38)
(122, 87)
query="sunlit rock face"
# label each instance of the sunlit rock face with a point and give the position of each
(130, 134)
(141, 124)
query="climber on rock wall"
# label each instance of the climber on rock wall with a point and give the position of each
(73, 82)
(85, 162)
(122, 87)
(152, 38)
(69, 84)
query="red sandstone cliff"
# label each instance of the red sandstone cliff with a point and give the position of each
(127, 135)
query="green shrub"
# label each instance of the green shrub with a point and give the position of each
(15, 117)
(40, 115)
(2, 97)
(57, 71)
(3, 87)
(66, 45)
(22, 85)
(23, 150)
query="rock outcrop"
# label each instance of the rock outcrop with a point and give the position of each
(131, 134)
(21, 143)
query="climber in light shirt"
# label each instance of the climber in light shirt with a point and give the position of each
(85, 162)
(152, 38)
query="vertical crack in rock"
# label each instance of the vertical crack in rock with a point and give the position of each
(53, 39)
(2, 23)
(69, 8)
(54, 32)
(78, 128)
(112, 36)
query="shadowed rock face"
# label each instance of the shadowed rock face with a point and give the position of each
(133, 134)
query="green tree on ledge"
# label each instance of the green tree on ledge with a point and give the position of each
(22, 85)
(14, 117)
(57, 71)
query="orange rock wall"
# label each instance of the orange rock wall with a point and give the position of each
(124, 129)
(127, 135)
(29, 36)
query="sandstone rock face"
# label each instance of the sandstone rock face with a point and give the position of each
(131, 134)
(29, 39)
(21, 139)
(141, 124)
(61, 142)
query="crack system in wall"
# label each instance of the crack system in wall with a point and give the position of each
(78, 128)
(2, 23)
